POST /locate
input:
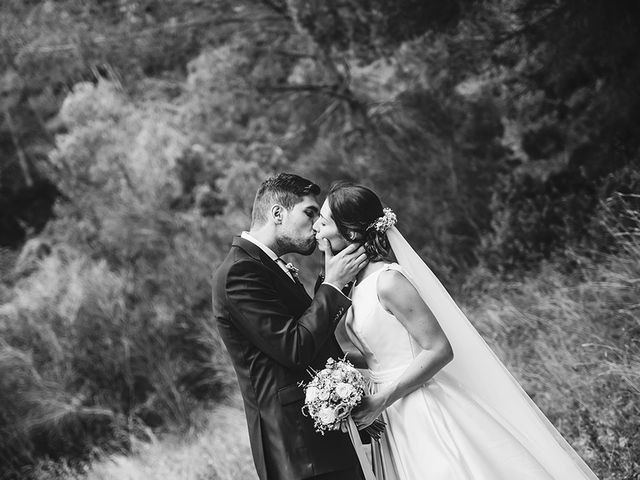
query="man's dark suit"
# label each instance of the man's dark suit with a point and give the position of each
(274, 332)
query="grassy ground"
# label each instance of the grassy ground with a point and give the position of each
(217, 450)
(573, 341)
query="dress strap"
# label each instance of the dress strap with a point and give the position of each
(393, 266)
(396, 268)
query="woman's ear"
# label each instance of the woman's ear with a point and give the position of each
(352, 236)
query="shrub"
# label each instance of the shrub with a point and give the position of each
(571, 338)
(107, 327)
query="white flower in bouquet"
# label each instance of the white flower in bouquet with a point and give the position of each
(329, 398)
(344, 390)
(332, 393)
(311, 394)
(327, 415)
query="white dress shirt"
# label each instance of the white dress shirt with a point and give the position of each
(272, 255)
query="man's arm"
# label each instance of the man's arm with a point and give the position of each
(258, 311)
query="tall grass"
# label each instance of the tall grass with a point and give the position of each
(572, 337)
(217, 450)
(105, 319)
(85, 362)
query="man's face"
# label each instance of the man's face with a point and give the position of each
(296, 234)
(325, 227)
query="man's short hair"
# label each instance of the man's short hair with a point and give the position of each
(286, 189)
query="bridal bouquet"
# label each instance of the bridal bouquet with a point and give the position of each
(332, 393)
(329, 398)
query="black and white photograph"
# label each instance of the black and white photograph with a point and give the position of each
(306, 239)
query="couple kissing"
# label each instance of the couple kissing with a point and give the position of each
(452, 410)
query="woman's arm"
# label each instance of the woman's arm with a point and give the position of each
(399, 297)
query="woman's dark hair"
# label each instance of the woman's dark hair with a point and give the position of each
(355, 208)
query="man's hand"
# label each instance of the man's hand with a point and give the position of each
(340, 269)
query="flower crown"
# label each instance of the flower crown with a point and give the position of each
(385, 222)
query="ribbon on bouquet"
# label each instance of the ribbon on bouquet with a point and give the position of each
(359, 448)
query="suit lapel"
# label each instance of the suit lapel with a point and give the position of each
(258, 254)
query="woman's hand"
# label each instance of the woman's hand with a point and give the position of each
(369, 410)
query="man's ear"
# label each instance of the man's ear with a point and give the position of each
(352, 236)
(277, 212)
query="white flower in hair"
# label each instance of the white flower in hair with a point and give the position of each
(385, 222)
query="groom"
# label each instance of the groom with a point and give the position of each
(274, 332)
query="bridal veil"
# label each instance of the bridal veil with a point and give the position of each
(479, 371)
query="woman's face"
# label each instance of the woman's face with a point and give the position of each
(325, 227)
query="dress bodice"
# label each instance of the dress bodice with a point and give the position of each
(441, 430)
(385, 343)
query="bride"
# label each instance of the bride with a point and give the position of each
(453, 411)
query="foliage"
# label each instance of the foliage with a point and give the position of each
(484, 110)
(48, 46)
(487, 114)
(135, 133)
(572, 339)
(106, 327)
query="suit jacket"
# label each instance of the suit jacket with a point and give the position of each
(274, 332)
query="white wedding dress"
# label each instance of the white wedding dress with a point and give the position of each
(441, 431)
